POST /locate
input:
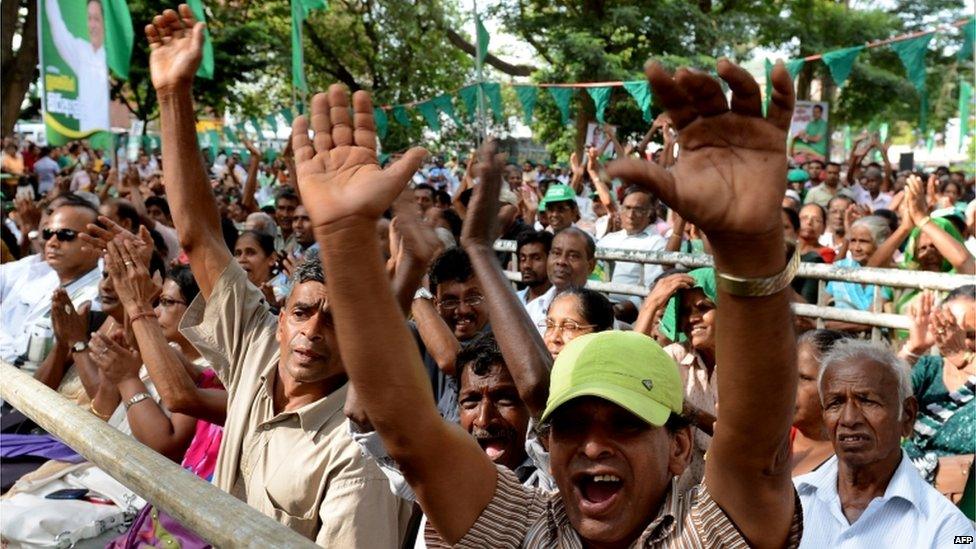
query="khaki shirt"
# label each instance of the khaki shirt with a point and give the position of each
(299, 467)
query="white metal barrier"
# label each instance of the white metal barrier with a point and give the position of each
(218, 517)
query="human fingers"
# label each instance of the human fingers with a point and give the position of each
(321, 125)
(404, 168)
(670, 95)
(780, 110)
(342, 134)
(165, 35)
(152, 35)
(746, 99)
(364, 127)
(646, 174)
(300, 142)
(705, 92)
(173, 22)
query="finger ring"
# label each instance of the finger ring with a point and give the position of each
(940, 332)
(67, 309)
(127, 263)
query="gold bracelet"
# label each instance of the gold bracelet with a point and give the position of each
(759, 287)
(103, 417)
(924, 220)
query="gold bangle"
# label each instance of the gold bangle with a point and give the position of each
(759, 287)
(924, 220)
(96, 413)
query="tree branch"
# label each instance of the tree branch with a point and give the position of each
(341, 72)
(461, 43)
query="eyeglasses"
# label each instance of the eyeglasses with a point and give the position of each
(566, 327)
(64, 235)
(635, 209)
(167, 302)
(451, 304)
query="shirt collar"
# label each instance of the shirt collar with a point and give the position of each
(311, 416)
(905, 484)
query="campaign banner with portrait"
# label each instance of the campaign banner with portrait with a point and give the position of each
(79, 41)
(809, 135)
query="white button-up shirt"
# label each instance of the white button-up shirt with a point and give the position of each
(26, 287)
(910, 515)
(538, 308)
(625, 272)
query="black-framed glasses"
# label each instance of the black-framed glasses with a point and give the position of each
(64, 235)
(168, 302)
(470, 301)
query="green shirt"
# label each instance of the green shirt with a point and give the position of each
(817, 128)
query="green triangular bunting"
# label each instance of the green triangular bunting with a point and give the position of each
(601, 99)
(483, 39)
(968, 36)
(562, 96)
(641, 93)
(912, 55)
(469, 96)
(401, 115)
(493, 91)
(382, 122)
(840, 63)
(527, 96)
(444, 104)
(429, 111)
(794, 66)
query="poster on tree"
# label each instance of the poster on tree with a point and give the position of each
(74, 70)
(809, 138)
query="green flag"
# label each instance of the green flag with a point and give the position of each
(469, 95)
(229, 135)
(482, 40)
(206, 69)
(299, 12)
(840, 63)
(601, 98)
(527, 96)
(257, 126)
(382, 122)
(768, 94)
(118, 36)
(930, 141)
(401, 115)
(562, 96)
(794, 66)
(272, 121)
(968, 36)
(641, 92)
(965, 106)
(429, 111)
(214, 139)
(288, 115)
(493, 91)
(300, 107)
(912, 55)
(444, 104)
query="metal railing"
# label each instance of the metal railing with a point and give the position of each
(213, 514)
(897, 278)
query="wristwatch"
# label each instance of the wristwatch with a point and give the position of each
(79, 346)
(136, 399)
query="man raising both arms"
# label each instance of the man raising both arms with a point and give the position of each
(615, 441)
(285, 450)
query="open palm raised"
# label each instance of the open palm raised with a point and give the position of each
(176, 47)
(730, 175)
(338, 175)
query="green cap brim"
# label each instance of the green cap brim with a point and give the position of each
(639, 404)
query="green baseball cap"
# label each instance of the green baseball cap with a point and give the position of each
(559, 193)
(627, 368)
(797, 175)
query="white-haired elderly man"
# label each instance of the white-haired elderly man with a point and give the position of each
(869, 493)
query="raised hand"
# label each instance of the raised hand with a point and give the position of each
(731, 174)
(481, 221)
(130, 276)
(100, 237)
(918, 207)
(338, 175)
(920, 336)
(70, 326)
(115, 361)
(414, 237)
(176, 48)
(592, 160)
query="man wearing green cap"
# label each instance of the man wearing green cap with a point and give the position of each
(561, 208)
(616, 440)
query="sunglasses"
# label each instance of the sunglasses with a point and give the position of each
(64, 235)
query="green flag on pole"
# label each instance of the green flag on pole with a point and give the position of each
(299, 12)
(429, 111)
(382, 122)
(527, 96)
(641, 92)
(469, 95)
(794, 66)
(965, 106)
(493, 91)
(562, 97)
(401, 115)
(912, 55)
(288, 115)
(118, 36)
(272, 121)
(483, 39)
(840, 63)
(968, 36)
(601, 98)
(206, 69)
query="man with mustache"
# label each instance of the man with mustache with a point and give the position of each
(286, 450)
(571, 260)
(615, 443)
(870, 492)
(533, 254)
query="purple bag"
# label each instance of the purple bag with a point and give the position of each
(155, 528)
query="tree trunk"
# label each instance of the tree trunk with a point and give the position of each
(584, 115)
(19, 69)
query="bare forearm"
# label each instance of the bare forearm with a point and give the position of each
(149, 424)
(951, 249)
(882, 256)
(106, 399)
(441, 344)
(603, 192)
(176, 389)
(51, 371)
(251, 184)
(406, 279)
(524, 352)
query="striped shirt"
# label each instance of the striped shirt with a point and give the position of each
(518, 516)
(911, 514)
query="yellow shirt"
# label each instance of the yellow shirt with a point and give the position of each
(300, 467)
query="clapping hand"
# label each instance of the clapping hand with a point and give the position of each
(70, 326)
(114, 359)
(100, 237)
(338, 175)
(130, 276)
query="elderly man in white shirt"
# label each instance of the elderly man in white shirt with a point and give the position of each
(26, 286)
(869, 493)
(636, 214)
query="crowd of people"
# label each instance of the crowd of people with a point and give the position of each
(339, 345)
